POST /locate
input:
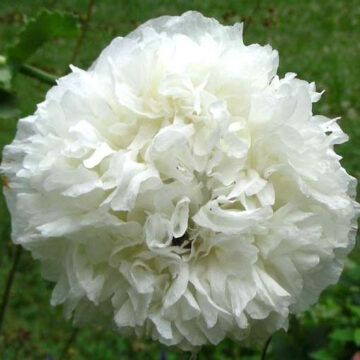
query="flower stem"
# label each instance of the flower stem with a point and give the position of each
(163, 355)
(37, 74)
(266, 346)
(9, 282)
(68, 343)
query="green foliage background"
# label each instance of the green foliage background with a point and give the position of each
(317, 39)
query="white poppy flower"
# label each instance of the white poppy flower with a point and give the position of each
(180, 189)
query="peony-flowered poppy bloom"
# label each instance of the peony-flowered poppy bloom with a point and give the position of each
(180, 190)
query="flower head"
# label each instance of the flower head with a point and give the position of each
(180, 189)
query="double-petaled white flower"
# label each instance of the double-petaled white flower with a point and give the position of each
(180, 189)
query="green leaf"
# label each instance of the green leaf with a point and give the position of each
(321, 355)
(355, 310)
(45, 26)
(357, 336)
(8, 112)
(343, 335)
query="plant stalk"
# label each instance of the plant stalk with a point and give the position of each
(266, 346)
(9, 283)
(69, 342)
(37, 74)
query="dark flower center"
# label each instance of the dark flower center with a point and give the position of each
(182, 241)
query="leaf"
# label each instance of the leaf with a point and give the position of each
(321, 355)
(355, 310)
(357, 337)
(354, 273)
(7, 112)
(288, 346)
(43, 27)
(343, 335)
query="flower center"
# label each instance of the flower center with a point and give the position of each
(182, 241)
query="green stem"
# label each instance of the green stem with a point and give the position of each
(9, 282)
(266, 346)
(68, 343)
(37, 74)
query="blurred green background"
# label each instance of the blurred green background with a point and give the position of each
(317, 39)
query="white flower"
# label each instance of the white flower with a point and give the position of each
(180, 189)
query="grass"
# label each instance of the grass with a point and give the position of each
(317, 39)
